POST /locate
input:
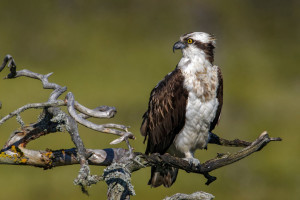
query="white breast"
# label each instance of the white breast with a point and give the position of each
(194, 134)
(201, 108)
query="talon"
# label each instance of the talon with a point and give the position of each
(193, 162)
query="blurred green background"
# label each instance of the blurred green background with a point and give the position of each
(114, 52)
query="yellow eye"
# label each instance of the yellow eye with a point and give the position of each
(190, 41)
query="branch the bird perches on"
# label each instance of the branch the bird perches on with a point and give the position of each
(121, 162)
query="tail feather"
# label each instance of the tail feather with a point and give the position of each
(163, 176)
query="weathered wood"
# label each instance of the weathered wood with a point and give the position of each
(15, 153)
(195, 196)
(120, 162)
(118, 179)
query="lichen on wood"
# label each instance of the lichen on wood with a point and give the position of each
(120, 162)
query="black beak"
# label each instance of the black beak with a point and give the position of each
(178, 45)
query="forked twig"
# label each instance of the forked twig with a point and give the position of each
(54, 119)
(121, 162)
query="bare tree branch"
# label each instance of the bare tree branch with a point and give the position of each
(9, 61)
(194, 196)
(121, 162)
(214, 139)
(118, 179)
(53, 120)
(58, 90)
(105, 128)
(213, 164)
(32, 105)
(99, 112)
(105, 157)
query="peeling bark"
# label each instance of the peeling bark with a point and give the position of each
(120, 162)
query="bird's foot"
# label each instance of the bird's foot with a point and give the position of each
(193, 162)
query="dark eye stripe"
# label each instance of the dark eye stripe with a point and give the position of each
(208, 48)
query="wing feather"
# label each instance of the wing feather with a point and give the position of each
(165, 116)
(220, 100)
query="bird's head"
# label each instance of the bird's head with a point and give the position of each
(197, 44)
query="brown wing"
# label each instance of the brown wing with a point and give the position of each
(220, 99)
(165, 116)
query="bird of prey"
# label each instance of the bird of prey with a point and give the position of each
(185, 106)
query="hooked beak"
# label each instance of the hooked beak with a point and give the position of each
(178, 45)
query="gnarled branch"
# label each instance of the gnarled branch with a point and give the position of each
(195, 196)
(53, 119)
(121, 162)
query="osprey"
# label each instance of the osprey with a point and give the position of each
(185, 106)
